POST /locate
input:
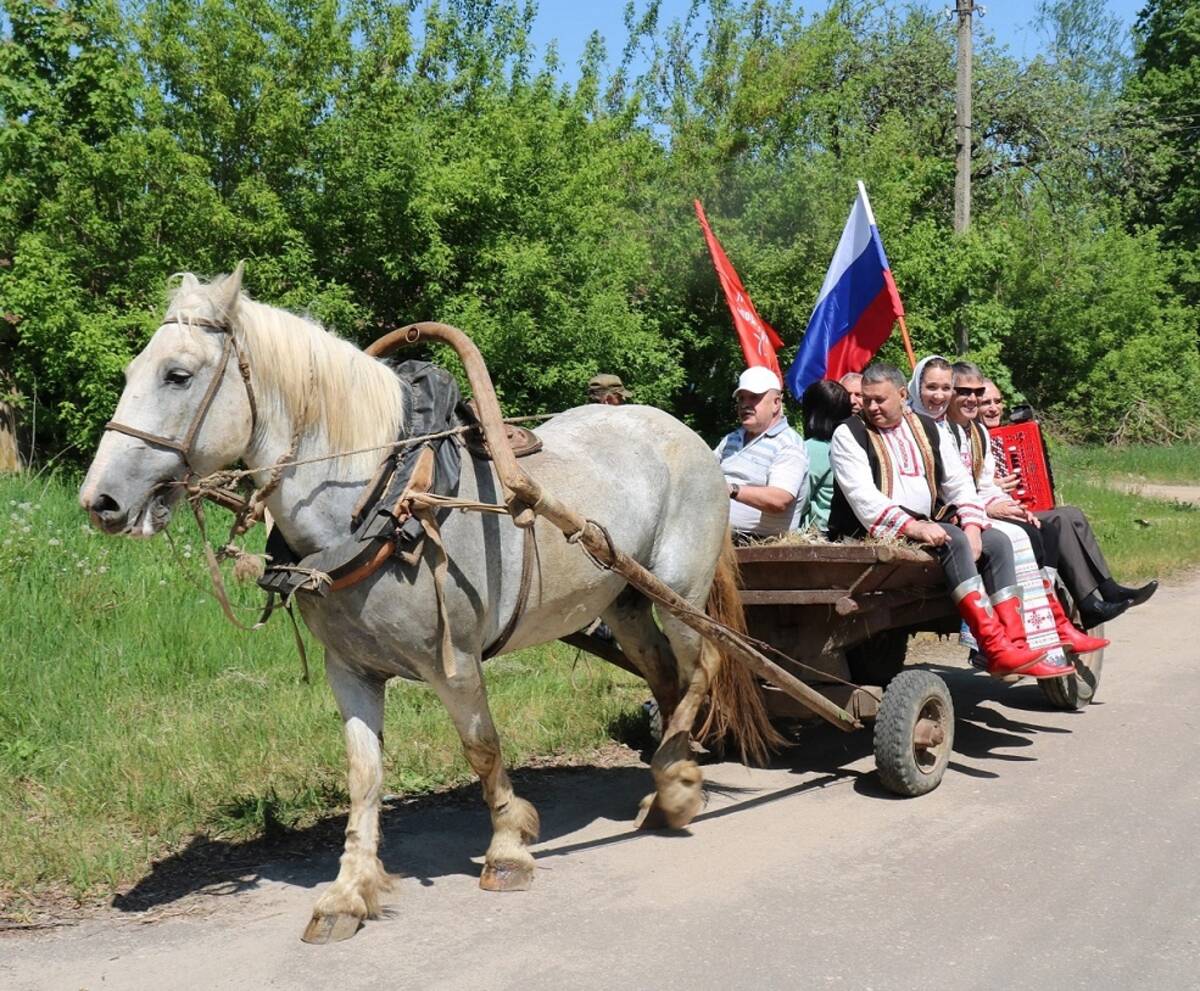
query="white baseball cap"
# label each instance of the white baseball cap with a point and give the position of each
(758, 380)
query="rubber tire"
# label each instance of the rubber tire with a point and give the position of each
(878, 660)
(1076, 691)
(908, 694)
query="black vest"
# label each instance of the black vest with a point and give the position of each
(842, 521)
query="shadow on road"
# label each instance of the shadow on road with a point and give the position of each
(433, 837)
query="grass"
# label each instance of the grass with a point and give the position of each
(1141, 537)
(1179, 463)
(134, 717)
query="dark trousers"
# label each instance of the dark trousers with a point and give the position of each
(995, 564)
(1080, 560)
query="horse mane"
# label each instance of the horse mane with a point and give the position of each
(307, 373)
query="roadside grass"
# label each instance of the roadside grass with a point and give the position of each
(133, 716)
(1167, 463)
(1141, 538)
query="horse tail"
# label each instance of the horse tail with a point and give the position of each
(735, 711)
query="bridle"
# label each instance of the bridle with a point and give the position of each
(184, 447)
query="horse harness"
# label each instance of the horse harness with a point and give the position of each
(398, 514)
(384, 523)
(184, 447)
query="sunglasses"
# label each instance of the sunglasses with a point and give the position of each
(963, 390)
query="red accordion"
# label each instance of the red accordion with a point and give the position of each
(1019, 446)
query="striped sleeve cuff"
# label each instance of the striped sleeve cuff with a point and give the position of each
(889, 523)
(971, 513)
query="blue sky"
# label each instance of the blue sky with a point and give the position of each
(571, 21)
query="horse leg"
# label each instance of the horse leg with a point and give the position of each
(632, 621)
(508, 864)
(678, 780)
(354, 895)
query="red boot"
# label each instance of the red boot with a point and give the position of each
(1003, 656)
(1008, 606)
(1073, 639)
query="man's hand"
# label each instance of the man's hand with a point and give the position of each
(975, 539)
(1008, 483)
(924, 532)
(1012, 510)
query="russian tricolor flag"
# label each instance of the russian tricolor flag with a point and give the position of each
(856, 309)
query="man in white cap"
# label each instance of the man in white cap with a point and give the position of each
(764, 461)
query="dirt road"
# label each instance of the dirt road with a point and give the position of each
(1060, 852)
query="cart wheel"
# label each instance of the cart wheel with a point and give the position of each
(914, 733)
(1076, 691)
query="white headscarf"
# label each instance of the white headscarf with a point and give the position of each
(914, 388)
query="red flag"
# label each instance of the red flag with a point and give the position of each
(759, 342)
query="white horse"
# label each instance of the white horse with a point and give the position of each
(646, 477)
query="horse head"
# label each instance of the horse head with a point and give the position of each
(185, 410)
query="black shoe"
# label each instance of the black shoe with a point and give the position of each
(1137, 596)
(1110, 591)
(1094, 610)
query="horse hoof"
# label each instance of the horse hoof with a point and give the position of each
(323, 929)
(650, 814)
(506, 876)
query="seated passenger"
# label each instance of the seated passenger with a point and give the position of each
(852, 383)
(1082, 566)
(894, 473)
(823, 406)
(764, 462)
(975, 449)
(930, 388)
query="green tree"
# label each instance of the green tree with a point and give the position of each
(1164, 92)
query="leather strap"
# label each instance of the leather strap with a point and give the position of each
(528, 553)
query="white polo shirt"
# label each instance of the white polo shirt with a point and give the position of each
(776, 457)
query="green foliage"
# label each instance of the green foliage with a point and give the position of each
(375, 170)
(1165, 93)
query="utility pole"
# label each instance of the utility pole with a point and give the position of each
(962, 137)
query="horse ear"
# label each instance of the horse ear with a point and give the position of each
(226, 295)
(188, 283)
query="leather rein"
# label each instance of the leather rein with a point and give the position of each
(184, 447)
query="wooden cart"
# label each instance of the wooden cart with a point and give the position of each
(844, 614)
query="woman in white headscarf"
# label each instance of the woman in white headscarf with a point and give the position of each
(930, 388)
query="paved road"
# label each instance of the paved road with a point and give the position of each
(1060, 852)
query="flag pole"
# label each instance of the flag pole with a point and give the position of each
(912, 359)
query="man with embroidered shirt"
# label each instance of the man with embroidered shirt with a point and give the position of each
(975, 451)
(895, 473)
(764, 461)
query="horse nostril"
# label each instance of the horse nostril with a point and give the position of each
(105, 506)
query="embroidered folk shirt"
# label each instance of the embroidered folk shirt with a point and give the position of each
(776, 457)
(887, 516)
(989, 491)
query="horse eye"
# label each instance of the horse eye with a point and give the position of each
(177, 376)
